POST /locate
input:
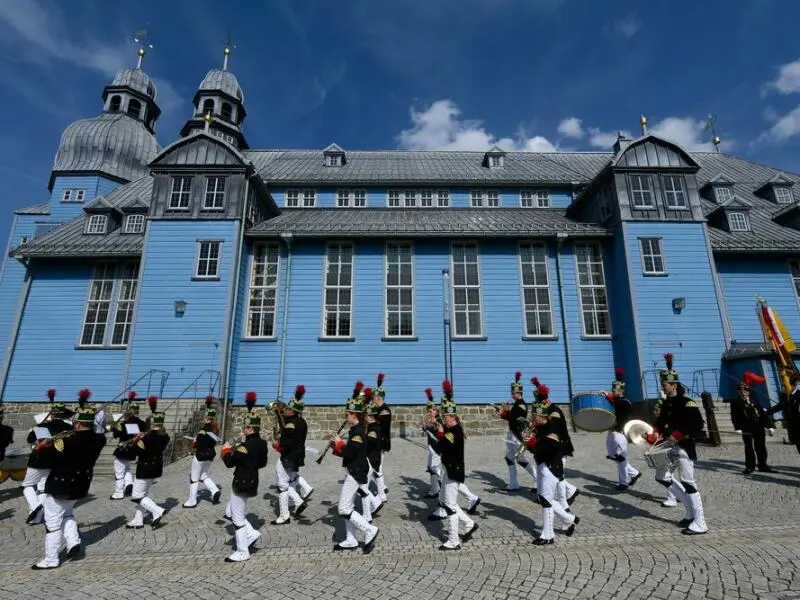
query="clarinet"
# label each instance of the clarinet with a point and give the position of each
(319, 460)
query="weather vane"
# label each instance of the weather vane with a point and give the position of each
(141, 37)
(643, 124)
(229, 47)
(711, 125)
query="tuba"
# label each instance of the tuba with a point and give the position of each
(274, 408)
(636, 430)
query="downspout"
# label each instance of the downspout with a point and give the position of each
(287, 238)
(12, 338)
(232, 313)
(560, 237)
(723, 306)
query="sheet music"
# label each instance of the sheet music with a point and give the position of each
(311, 450)
(39, 417)
(213, 436)
(116, 416)
(132, 428)
(42, 433)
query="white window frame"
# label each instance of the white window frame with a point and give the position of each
(648, 179)
(207, 260)
(410, 198)
(97, 224)
(495, 161)
(651, 250)
(134, 223)
(485, 199)
(596, 310)
(788, 198)
(309, 198)
(338, 311)
(722, 190)
(434, 199)
(351, 199)
(112, 296)
(262, 284)
(301, 198)
(67, 195)
(23, 240)
(794, 274)
(671, 196)
(216, 195)
(536, 287)
(180, 199)
(466, 286)
(292, 199)
(333, 160)
(736, 225)
(393, 198)
(442, 198)
(399, 309)
(534, 199)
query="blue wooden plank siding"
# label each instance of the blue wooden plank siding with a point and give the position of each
(183, 346)
(12, 276)
(92, 186)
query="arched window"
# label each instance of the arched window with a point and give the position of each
(226, 112)
(208, 106)
(134, 108)
(113, 106)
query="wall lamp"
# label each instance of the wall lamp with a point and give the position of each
(180, 308)
(678, 304)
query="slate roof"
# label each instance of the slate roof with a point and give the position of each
(432, 222)
(37, 209)
(766, 234)
(70, 240)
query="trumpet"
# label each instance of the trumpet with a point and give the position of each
(329, 446)
(131, 441)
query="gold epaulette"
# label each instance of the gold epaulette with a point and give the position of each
(372, 434)
(241, 449)
(357, 439)
(450, 437)
(289, 426)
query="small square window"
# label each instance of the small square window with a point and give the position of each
(783, 195)
(333, 160)
(493, 199)
(495, 161)
(97, 224)
(442, 198)
(723, 193)
(79, 194)
(208, 256)
(292, 199)
(134, 224)
(309, 198)
(393, 199)
(738, 221)
(66, 196)
(409, 198)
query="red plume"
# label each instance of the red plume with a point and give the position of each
(751, 378)
(535, 381)
(429, 394)
(368, 393)
(51, 393)
(447, 387)
(517, 376)
(299, 392)
(668, 359)
(209, 401)
(250, 400)
(131, 396)
(380, 379)
(619, 373)
(152, 402)
(543, 391)
(84, 394)
(357, 389)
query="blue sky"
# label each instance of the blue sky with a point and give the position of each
(536, 75)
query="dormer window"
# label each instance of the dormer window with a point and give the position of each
(97, 224)
(495, 162)
(334, 156)
(333, 160)
(494, 158)
(134, 224)
(641, 187)
(738, 221)
(783, 194)
(723, 193)
(674, 194)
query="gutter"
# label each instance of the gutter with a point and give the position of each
(287, 238)
(561, 237)
(634, 312)
(231, 311)
(15, 327)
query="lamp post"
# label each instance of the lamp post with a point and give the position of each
(446, 326)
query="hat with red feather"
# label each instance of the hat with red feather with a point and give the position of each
(296, 403)
(251, 419)
(669, 375)
(429, 401)
(133, 406)
(448, 406)
(618, 385)
(370, 407)
(379, 391)
(84, 414)
(355, 404)
(516, 385)
(749, 379)
(211, 410)
(541, 391)
(158, 417)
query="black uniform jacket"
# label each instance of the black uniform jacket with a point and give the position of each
(549, 450)
(293, 443)
(354, 454)
(519, 409)
(451, 447)
(150, 454)
(246, 459)
(663, 420)
(622, 411)
(6, 438)
(126, 452)
(385, 420)
(374, 445)
(558, 424)
(686, 419)
(73, 457)
(748, 416)
(790, 406)
(204, 444)
(39, 460)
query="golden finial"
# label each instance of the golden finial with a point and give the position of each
(141, 38)
(711, 126)
(229, 47)
(643, 123)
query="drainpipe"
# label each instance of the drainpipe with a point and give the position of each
(560, 238)
(12, 339)
(287, 239)
(232, 312)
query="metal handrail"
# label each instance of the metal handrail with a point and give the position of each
(122, 397)
(214, 381)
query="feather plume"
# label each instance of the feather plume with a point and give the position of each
(429, 394)
(299, 392)
(84, 394)
(368, 394)
(668, 360)
(357, 389)
(380, 379)
(250, 400)
(543, 391)
(535, 381)
(51, 393)
(751, 378)
(209, 401)
(517, 376)
(152, 402)
(619, 373)
(447, 388)
(131, 396)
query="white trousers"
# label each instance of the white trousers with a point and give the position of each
(564, 489)
(524, 460)
(141, 489)
(245, 533)
(33, 486)
(455, 516)
(551, 505)
(617, 446)
(123, 476)
(60, 524)
(675, 490)
(286, 482)
(684, 471)
(353, 520)
(434, 469)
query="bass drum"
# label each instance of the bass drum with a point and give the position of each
(15, 465)
(591, 411)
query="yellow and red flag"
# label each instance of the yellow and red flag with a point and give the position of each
(779, 339)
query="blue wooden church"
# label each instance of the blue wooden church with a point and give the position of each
(278, 267)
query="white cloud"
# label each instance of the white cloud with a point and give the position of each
(627, 26)
(788, 80)
(604, 140)
(571, 128)
(784, 128)
(440, 127)
(691, 134)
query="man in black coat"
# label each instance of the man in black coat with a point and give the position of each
(790, 406)
(292, 449)
(149, 447)
(125, 452)
(751, 420)
(71, 455)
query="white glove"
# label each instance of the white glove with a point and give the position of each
(770, 432)
(739, 431)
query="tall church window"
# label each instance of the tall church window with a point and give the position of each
(134, 108)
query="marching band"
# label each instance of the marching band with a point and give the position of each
(60, 467)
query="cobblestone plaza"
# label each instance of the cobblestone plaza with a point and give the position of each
(626, 546)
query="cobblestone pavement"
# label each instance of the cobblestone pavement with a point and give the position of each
(626, 546)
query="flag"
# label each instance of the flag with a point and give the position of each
(140, 35)
(777, 336)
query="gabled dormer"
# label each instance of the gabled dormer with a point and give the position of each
(334, 156)
(718, 189)
(134, 215)
(733, 216)
(494, 158)
(779, 190)
(101, 217)
(788, 216)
